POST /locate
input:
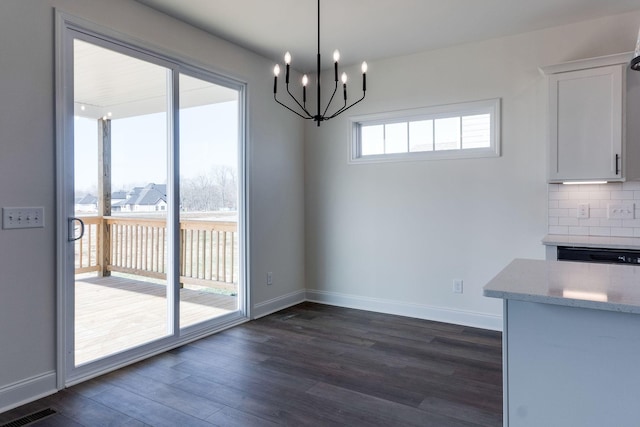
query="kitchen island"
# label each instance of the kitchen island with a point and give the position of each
(571, 343)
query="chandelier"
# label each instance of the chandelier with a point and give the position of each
(635, 62)
(320, 115)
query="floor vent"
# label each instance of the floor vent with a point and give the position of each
(30, 418)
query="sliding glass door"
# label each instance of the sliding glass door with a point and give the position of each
(121, 291)
(152, 196)
(209, 200)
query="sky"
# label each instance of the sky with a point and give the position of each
(208, 137)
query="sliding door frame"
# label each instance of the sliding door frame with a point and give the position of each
(69, 28)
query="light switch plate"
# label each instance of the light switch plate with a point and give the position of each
(583, 211)
(457, 286)
(621, 210)
(32, 217)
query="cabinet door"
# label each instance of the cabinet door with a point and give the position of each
(586, 110)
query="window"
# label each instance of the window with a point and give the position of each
(442, 132)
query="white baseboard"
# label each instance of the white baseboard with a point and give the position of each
(420, 311)
(27, 390)
(276, 304)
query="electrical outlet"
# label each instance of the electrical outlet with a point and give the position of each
(457, 286)
(621, 210)
(583, 211)
(22, 218)
(269, 278)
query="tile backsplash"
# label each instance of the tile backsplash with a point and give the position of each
(563, 209)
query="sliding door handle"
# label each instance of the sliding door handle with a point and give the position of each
(73, 236)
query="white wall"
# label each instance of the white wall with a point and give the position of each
(27, 172)
(393, 236)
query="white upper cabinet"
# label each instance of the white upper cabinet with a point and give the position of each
(587, 119)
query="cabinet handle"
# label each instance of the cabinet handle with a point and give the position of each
(617, 162)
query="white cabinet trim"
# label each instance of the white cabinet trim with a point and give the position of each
(582, 64)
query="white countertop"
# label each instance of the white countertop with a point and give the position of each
(592, 241)
(573, 284)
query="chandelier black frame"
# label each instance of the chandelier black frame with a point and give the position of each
(304, 113)
(635, 61)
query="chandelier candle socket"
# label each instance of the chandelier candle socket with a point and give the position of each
(344, 85)
(305, 80)
(302, 111)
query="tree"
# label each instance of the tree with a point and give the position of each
(214, 191)
(199, 195)
(225, 178)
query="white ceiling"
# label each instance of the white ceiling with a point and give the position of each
(374, 29)
(111, 84)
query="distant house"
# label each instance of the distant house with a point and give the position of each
(151, 198)
(117, 199)
(88, 203)
(118, 196)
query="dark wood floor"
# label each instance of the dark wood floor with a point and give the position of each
(310, 365)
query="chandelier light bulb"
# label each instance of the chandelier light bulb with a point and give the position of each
(364, 66)
(276, 70)
(287, 58)
(336, 55)
(344, 78)
(305, 80)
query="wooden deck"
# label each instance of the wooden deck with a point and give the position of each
(117, 313)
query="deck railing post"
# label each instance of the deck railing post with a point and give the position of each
(104, 193)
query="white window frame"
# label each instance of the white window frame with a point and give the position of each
(489, 106)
